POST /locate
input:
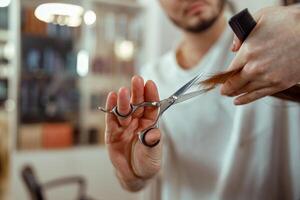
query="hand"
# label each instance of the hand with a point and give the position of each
(269, 58)
(132, 160)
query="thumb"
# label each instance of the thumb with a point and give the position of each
(236, 44)
(146, 161)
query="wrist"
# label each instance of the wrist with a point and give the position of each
(130, 182)
(145, 163)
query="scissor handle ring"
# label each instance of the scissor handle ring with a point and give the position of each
(116, 112)
(142, 138)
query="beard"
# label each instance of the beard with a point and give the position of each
(203, 25)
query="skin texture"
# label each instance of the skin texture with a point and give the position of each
(269, 58)
(135, 164)
(188, 17)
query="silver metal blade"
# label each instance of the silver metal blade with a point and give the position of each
(186, 86)
(188, 96)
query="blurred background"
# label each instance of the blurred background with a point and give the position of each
(57, 64)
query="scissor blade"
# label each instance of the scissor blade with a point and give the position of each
(188, 96)
(186, 86)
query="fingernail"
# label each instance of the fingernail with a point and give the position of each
(233, 46)
(237, 102)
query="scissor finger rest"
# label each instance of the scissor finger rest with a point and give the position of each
(142, 137)
(133, 108)
(117, 113)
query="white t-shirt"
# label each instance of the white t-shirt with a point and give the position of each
(215, 150)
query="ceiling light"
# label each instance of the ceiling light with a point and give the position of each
(4, 3)
(60, 13)
(82, 63)
(124, 50)
(89, 17)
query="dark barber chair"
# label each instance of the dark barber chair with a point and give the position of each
(36, 189)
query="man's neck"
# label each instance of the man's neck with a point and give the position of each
(195, 45)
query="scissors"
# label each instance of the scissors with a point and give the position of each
(162, 105)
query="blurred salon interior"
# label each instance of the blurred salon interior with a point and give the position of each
(58, 61)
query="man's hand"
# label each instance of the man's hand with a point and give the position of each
(134, 162)
(269, 58)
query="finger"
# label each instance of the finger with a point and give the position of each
(137, 94)
(111, 102)
(124, 106)
(111, 120)
(235, 83)
(151, 94)
(257, 94)
(236, 44)
(250, 87)
(152, 136)
(143, 154)
(240, 58)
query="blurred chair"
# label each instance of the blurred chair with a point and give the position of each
(36, 189)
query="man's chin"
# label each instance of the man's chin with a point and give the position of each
(196, 24)
(200, 26)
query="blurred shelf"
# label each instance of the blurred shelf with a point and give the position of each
(62, 45)
(3, 111)
(121, 3)
(112, 77)
(40, 75)
(104, 82)
(133, 4)
(5, 71)
(4, 35)
(46, 37)
(80, 148)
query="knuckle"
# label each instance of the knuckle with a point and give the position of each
(259, 69)
(255, 70)
(228, 86)
(229, 83)
(249, 53)
(273, 80)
